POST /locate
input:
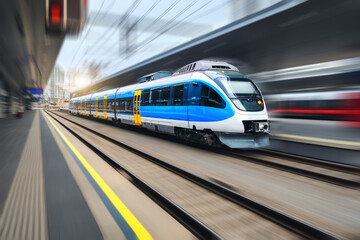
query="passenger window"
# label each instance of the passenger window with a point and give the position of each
(204, 91)
(145, 97)
(155, 97)
(122, 106)
(118, 105)
(130, 105)
(210, 98)
(165, 96)
(178, 95)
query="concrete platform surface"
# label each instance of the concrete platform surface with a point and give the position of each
(45, 193)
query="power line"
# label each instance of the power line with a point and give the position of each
(101, 40)
(138, 21)
(169, 22)
(77, 51)
(150, 39)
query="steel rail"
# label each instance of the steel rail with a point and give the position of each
(199, 229)
(313, 161)
(296, 170)
(296, 225)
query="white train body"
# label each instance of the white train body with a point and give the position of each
(206, 101)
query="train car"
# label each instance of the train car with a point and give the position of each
(72, 106)
(102, 105)
(204, 101)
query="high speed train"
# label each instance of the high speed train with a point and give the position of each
(206, 101)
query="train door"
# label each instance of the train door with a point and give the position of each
(81, 107)
(136, 107)
(96, 107)
(85, 106)
(105, 107)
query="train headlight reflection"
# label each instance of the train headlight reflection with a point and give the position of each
(238, 104)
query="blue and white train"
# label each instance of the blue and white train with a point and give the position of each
(206, 101)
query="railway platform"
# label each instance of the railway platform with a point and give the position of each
(46, 193)
(55, 185)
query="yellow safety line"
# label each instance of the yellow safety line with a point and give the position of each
(135, 225)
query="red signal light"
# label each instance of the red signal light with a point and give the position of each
(55, 14)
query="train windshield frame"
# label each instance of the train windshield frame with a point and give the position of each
(241, 90)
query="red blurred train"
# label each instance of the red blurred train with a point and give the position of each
(330, 105)
(322, 91)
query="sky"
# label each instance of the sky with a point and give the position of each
(158, 25)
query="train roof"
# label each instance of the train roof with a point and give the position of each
(204, 65)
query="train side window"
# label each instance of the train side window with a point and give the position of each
(145, 95)
(204, 91)
(122, 105)
(178, 95)
(118, 105)
(210, 98)
(126, 105)
(109, 104)
(216, 100)
(165, 96)
(100, 105)
(130, 105)
(155, 97)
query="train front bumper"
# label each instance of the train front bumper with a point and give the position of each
(244, 140)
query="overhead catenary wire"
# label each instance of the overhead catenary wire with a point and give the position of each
(147, 41)
(113, 62)
(134, 24)
(104, 37)
(87, 33)
(169, 22)
(150, 39)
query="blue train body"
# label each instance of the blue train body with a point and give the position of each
(198, 102)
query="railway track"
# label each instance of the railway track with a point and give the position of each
(334, 173)
(197, 225)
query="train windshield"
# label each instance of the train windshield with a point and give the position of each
(241, 90)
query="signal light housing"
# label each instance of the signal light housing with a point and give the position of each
(65, 15)
(55, 14)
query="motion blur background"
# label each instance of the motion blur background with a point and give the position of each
(304, 56)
